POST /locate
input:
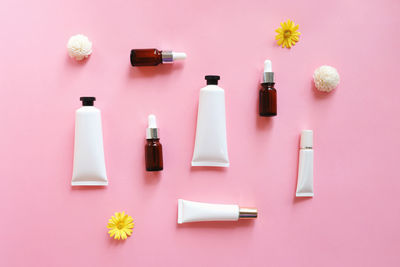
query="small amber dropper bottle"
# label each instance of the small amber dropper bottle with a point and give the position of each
(153, 57)
(153, 147)
(267, 97)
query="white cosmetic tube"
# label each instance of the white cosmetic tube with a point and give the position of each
(211, 146)
(190, 211)
(89, 165)
(305, 179)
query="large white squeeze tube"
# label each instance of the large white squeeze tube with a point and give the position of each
(211, 146)
(89, 164)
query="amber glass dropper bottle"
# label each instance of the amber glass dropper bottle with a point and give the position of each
(153, 147)
(267, 97)
(154, 57)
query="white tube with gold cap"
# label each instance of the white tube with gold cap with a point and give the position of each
(191, 211)
(305, 177)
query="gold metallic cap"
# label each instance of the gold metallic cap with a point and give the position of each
(248, 213)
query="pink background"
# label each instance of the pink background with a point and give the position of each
(354, 218)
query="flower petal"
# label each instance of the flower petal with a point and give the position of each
(123, 235)
(287, 43)
(117, 235)
(128, 231)
(286, 25)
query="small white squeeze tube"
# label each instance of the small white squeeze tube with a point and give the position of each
(89, 164)
(190, 211)
(305, 179)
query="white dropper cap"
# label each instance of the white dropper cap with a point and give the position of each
(178, 55)
(152, 130)
(268, 75)
(306, 140)
(152, 121)
(267, 66)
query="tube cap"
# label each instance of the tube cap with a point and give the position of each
(212, 79)
(306, 140)
(87, 100)
(248, 213)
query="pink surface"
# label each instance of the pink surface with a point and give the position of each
(354, 218)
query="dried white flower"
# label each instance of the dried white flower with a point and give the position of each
(326, 78)
(79, 47)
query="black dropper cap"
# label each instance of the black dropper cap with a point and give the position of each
(212, 79)
(87, 100)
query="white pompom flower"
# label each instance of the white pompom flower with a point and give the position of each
(79, 47)
(326, 78)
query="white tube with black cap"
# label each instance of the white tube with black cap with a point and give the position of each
(210, 147)
(89, 164)
(305, 179)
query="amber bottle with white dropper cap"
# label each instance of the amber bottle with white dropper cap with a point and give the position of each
(153, 147)
(267, 96)
(154, 57)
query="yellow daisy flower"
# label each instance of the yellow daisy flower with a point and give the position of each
(287, 34)
(121, 225)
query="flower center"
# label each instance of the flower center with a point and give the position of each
(120, 226)
(287, 34)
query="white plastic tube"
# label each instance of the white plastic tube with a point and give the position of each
(190, 211)
(89, 164)
(305, 179)
(211, 146)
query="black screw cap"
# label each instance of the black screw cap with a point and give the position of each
(212, 79)
(87, 100)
